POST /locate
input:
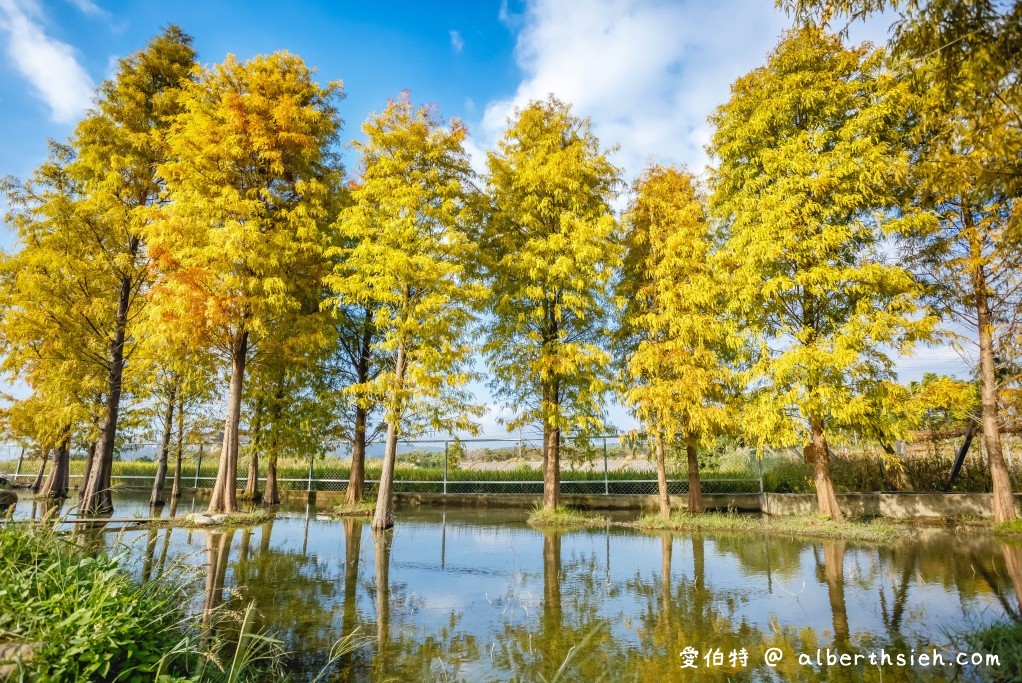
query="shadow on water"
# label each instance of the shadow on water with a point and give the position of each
(478, 595)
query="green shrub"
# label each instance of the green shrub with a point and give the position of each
(83, 617)
(788, 476)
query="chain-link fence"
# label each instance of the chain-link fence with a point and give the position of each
(604, 465)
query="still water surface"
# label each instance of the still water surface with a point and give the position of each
(478, 595)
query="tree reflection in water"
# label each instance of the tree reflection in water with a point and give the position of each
(494, 612)
(1013, 564)
(218, 549)
(381, 563)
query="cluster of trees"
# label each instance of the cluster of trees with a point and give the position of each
(197, 230)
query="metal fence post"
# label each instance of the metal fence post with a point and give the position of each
(198, 468)
(759, 461)
(21, 458)
(447, 445)
(606, 480)
(312, 459)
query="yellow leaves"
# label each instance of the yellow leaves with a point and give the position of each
(405, 251)
(674, 332)
(549, 251)
(249, 185)
(806, 191)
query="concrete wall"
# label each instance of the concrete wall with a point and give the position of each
(893, 505)
(712, 501)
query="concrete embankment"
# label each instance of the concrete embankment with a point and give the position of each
(890, 505)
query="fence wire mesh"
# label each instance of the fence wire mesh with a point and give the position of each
(595, 466)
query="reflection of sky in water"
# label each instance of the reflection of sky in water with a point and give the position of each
(487, 567)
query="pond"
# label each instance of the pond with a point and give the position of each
(477, 595)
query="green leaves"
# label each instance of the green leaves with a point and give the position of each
(87, 619)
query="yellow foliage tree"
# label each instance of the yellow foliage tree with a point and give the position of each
(243, 233)
(964, 61)
(673, 334)
(808, 158)
(408, 248)
(550, 251)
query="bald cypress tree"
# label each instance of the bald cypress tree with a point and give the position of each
(550, 248)
(809, 156)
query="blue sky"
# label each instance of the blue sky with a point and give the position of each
(459, 56)
(647, 72)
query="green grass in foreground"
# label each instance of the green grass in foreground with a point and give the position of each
(1005, 640)
(873, 531)
(70, 616)
(565, 517)
(55, 599)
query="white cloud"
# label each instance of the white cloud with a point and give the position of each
(89, 8)
(457, 43)
(647, 72)
(48, 65)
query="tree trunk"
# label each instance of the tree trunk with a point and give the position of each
(384, 516)
(1004, 501)
(37, 484)
(551, 466)
(271, 496)
(96, 496)
(357, 476)
(66, 481)
(551, 446)
(225, 491)
(661, 476)
(160, 482)
(90, 459)
(825, 497)
(21, 461)
(56, 483)
(252, 483)
(175, 491)
(695, 494)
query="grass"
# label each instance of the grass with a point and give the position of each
(871, 531)
(68, 615)
(1005, 640)
(363, 508)
(1009, 528)
(564, 517)
(233, 519)
(55, 599)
